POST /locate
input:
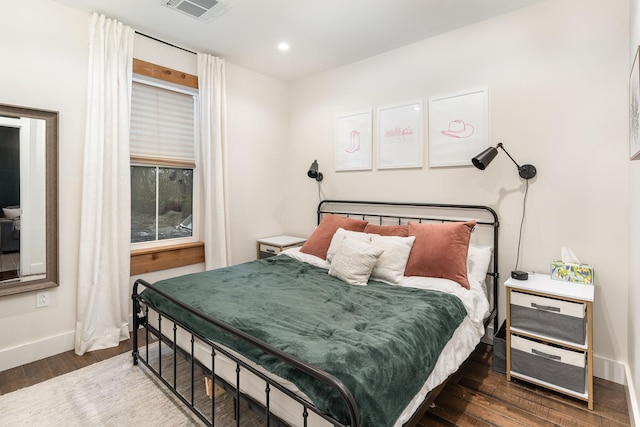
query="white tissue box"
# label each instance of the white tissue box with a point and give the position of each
(571, 272)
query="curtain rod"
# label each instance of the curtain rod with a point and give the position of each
(167, 43)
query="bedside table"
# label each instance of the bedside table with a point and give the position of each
(270, 246)
(550, 334)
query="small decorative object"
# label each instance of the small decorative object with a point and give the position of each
(353, 141)
(634, 110)
(400, 136)
(457, 127)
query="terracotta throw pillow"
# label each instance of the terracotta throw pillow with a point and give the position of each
(319, 241)
(440, 250)
(387, 230)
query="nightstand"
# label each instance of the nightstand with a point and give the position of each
(550, 334)
(270, 246)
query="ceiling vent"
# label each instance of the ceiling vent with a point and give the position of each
(203, 10)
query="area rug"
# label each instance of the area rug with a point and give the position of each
(109, 393)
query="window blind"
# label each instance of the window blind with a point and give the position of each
(162, 124)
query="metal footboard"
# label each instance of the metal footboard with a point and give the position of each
(141, 313)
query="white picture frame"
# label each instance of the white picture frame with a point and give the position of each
(634, 109)
(353, 144)
(458, 127)
(399, 136)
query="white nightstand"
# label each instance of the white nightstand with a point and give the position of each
(270, 246)
(550, 334)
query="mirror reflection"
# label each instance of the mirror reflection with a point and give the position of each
(28, 199)
(22, 199)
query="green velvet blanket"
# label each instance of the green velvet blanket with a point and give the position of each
(382, 341)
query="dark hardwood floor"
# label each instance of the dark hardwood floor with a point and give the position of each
(478, 396)
(475, 395)
(42, 370)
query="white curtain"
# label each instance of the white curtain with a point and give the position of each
(103, 272)
(212, 160)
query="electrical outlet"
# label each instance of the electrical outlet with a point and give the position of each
(42, 299)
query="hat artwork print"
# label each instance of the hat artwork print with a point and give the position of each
(459, 129)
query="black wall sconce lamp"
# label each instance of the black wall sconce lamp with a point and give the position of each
(482, 160)
(313, 171)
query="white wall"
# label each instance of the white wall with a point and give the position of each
(257, 119)
(44, 65)
(633, 377)
(557, 78)
(557, 75)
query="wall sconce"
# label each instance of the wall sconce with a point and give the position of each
(313, 171)
(482, 160)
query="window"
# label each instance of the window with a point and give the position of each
(163, 129)
(161, 203)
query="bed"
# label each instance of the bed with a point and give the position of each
(301, 340)
(10, 229)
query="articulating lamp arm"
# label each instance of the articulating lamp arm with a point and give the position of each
(525, 171)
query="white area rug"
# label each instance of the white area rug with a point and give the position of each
(108, 393)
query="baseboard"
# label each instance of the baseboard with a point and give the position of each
(633, 400)
(609, 370)
(36, 350)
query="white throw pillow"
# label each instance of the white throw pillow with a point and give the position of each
(11, 213)
(339, 235)
(391, 264)
(478, 260)
(354, 260)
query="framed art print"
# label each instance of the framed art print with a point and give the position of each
(458, 127)
(399, 133)
(634, 110)
(353, 141)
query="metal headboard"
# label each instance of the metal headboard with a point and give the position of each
(388, 213)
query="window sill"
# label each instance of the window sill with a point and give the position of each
(162, 258)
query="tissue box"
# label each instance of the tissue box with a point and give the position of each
(570, 272)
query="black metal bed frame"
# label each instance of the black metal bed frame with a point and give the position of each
(364, 210)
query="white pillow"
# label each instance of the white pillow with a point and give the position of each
(354, 260)
(11, 213)
(340, 234)
(478, 260)
(391, 264)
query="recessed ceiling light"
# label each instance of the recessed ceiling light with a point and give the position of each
(283, 46)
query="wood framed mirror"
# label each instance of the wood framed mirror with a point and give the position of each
(28, 199)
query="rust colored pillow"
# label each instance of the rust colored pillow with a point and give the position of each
(388, 230)
(440, 250)
(319, 241)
